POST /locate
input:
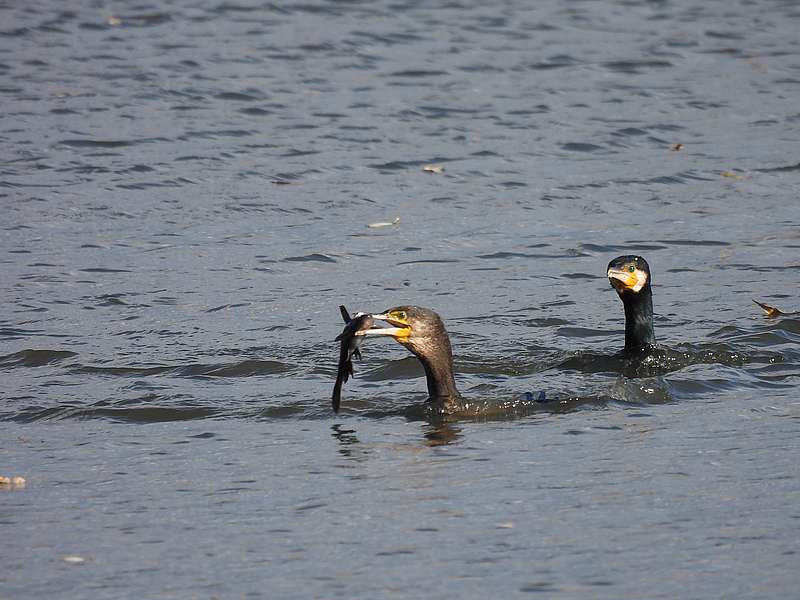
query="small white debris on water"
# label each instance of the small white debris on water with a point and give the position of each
(73, 559)
(394, 221)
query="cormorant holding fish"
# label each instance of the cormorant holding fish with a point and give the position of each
(423, 333)
(630, 277)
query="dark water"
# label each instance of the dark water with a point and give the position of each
(186, 189)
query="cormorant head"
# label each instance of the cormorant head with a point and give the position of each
(629, 275)
(415, 327)
(422, 332)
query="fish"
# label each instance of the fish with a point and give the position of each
(349, 348)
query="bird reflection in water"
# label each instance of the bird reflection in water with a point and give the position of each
(441, 434)
(434, 434)
(347, 440)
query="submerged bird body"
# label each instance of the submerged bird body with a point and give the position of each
(422, 332)
(630, 277)
(349, 347)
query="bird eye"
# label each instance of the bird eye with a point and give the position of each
(401, 315)
(631, 269)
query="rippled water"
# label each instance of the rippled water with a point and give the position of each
(186, 189)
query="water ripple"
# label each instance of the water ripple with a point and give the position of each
(34, 358)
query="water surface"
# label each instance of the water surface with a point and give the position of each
(186, 189)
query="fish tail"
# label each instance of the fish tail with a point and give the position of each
(336, 399)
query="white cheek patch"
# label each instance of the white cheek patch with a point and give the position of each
(641, 280)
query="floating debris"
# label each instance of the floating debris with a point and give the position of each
(73, 559)
(394, 221)
(731, 175)
(676, 147)
(433, 168)
(12, 482)
(114, 21)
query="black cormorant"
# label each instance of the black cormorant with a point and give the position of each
(630, 277)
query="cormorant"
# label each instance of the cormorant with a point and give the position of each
(630, 277)
(423, 333)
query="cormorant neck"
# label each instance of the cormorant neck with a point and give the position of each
(639, 333)
(438, 364)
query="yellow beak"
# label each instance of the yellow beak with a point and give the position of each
(627, 279)
(403, 331)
